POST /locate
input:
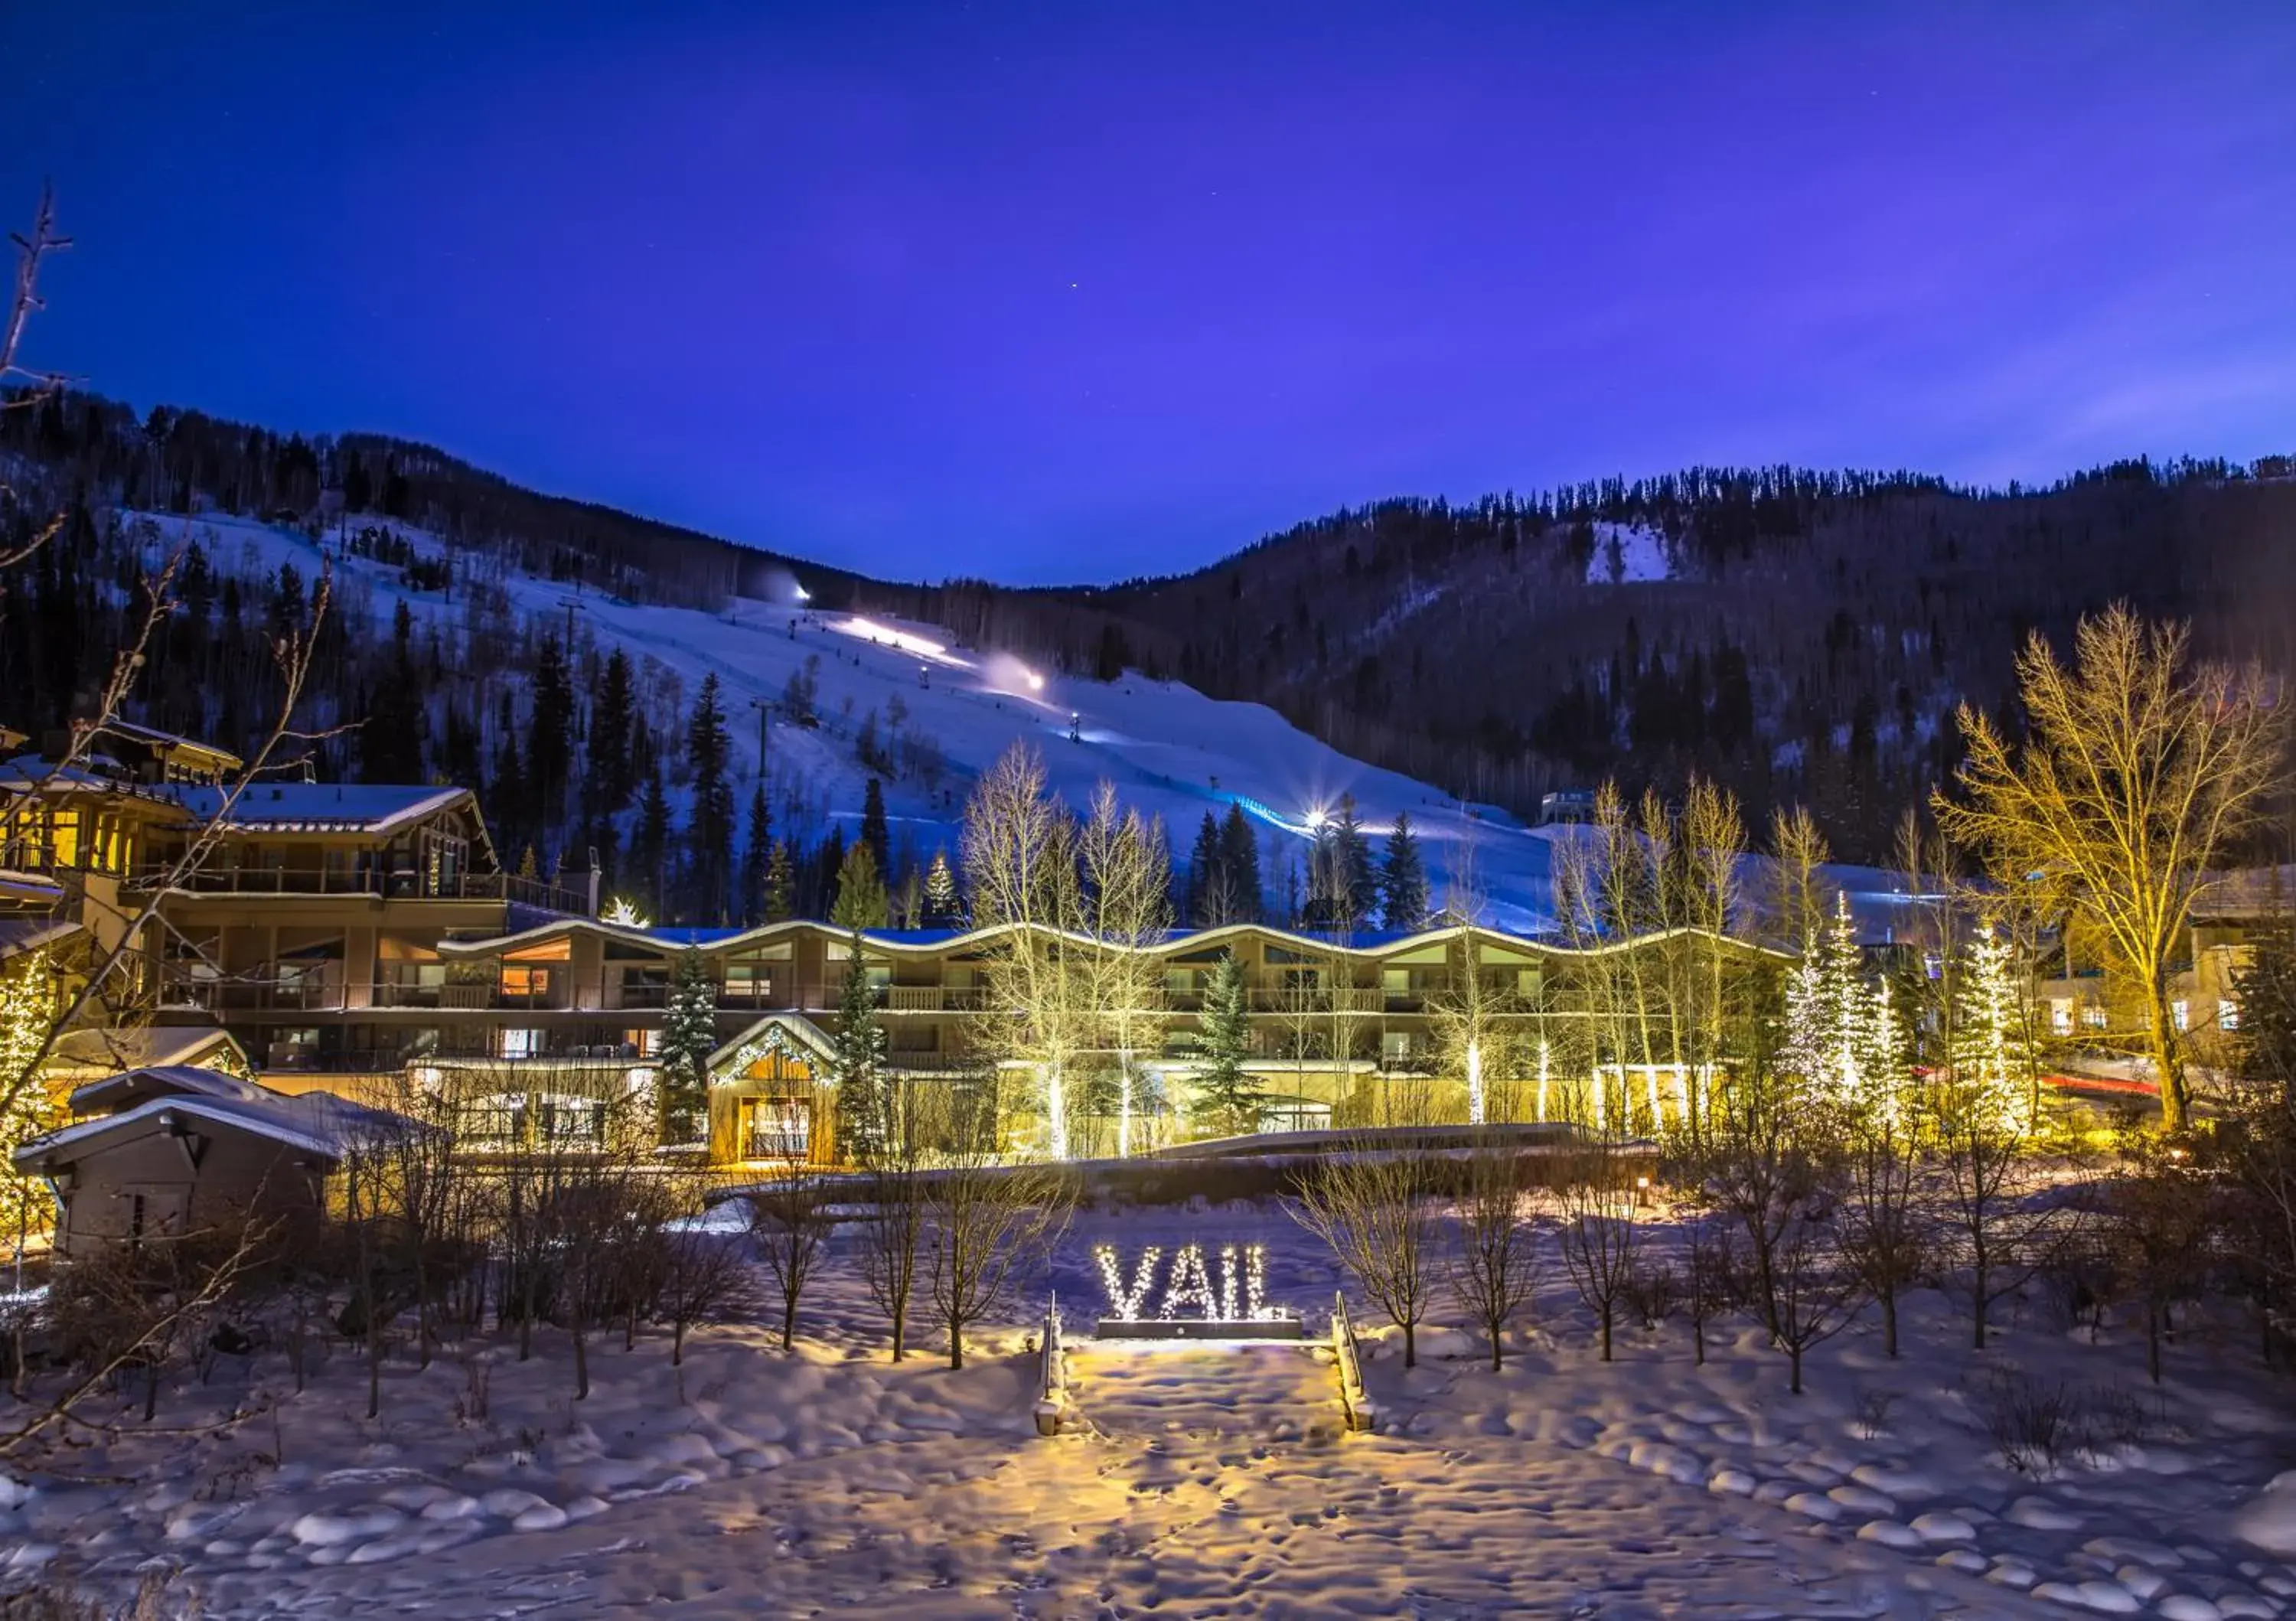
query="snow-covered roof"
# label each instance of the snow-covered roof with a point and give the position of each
(23, 934)
(315, 1123)
(148, 1047)
(130, 1087)
(1366, 944)
(321, 807)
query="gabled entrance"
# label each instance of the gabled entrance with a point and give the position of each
(773, 1095)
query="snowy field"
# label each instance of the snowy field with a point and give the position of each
(1197, 1481)
(1168, 749)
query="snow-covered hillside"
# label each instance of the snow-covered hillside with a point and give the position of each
(1168, 749)
(1628, 554)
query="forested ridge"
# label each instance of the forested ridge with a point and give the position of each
(1809, 642)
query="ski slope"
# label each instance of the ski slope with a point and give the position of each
(1168, 749)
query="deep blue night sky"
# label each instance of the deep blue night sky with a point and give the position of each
(1082, 291)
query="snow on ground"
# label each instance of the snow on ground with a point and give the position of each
(1628, 554)
(1197, 1481)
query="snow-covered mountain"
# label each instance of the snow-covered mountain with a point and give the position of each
(1170, 750)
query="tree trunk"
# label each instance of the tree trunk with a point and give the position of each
(1698, 1339)
(2153, 1340)
(1888, 1297)
(789, 1320)
(581, 1349)
(1606, 1330)
(1497, 1328)
(1794, 1351)
(956, 1343)
(2166, 1060)
(677, 1343)
(1410, 1344)
(898, 1326)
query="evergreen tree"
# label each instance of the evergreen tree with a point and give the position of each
(1992, 1054)
(875, 836)
(1207, 900)
(650, 845)
(861, 899)
(390, 743)
(710, 834)
(819, 897)
(944, 907)
(1353, 873)
(858, 1059)
(1227, 1098)
(756, 857)
(1404, 883)
(2264, 1042)
(689, 1035)
(781, 885)
(609, 779)
(550, 737)
(1240, 857)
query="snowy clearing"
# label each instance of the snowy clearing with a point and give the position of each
(1196, 1479)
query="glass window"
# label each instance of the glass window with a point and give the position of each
(2060, 1015)
(2227, 1013)
(2180, 1014)
(520, 980)
(521, 1043)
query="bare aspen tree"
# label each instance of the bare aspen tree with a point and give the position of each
(1127, 876)
(1493, 1267)
(704, 1277)
(2139, 767)
(1020, 862)
(986, 1224)
(1709, 1284)
(893, 1228)
(2161, 1226)
(789, 1218)
(32, 249)
(1999, 1239)
(1375, 1207)
(1602, 1236)
(1472, 1014)
(1815, 1285)
(1800, 897)
(1886, 1232)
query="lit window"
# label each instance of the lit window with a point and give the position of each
(645, 1042)
(2060, 1015)
(521, 1043)
(2227, 1013)
(2180, 1014)
(528, 982)
(2092, 1015)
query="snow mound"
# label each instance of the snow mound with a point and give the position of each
(2268, 1521)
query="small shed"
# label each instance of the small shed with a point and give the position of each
(171, 1150)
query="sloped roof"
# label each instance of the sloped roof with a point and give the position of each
(148, 1047)
(18, 935)
(131, 1087)
(315, 1123)
(372, 807)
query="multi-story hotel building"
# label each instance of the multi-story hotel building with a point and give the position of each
(361, 939)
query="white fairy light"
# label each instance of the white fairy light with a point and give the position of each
(1189, 1282)
(1122, 1302)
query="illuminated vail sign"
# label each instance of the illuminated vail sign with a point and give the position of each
(1196, 1302)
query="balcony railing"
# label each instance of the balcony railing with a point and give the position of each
(1314, 1001)
(386, 883)
(931, 999)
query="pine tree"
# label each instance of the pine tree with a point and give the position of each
(2264, 1042)
(781, 885)
(710, 834)
(1353, 863)
(1404, 883)
(944, 907)
(390, 743)
(609, 779)
(857, 1059)
(1240, 856)
(875, 836)
(861, 899)
(689, 1035)
(756, 857)
(550, 737)
(1992, 1059)
(1206, 903)
(650, 845)
(1829, 1014)
(1227, 1098)
(819, 897)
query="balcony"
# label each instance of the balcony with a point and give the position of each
(365, 881)
(1310, 999)
(929, 999)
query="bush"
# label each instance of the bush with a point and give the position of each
(2034, 1423)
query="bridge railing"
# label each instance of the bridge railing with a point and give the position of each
(1053, 1375)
